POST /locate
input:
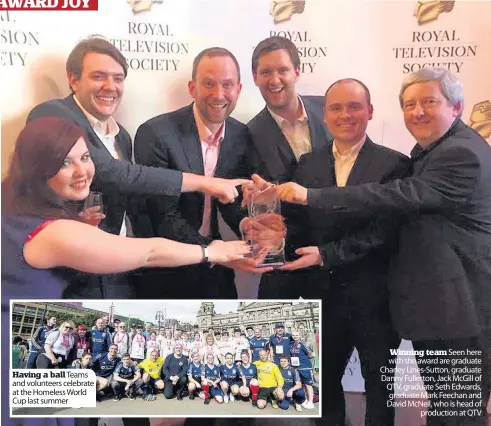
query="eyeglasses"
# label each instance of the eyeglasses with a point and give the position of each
(121, 326)
(68, 328)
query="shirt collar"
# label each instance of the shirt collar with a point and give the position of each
(353, 151)
(205, 134)
(110, 125)
(280, 120)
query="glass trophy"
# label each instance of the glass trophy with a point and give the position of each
(266, 230)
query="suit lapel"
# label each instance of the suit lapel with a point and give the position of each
(361, 168)
(317, 129)
(226, 152)
(273, 142)
(123, 147)
(82, 121)
(191, 144)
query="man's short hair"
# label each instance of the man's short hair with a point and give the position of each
(113, 344)
(93, 44)
(451, 88)
(283, 357)
(212, 52)
(125, 355)
(344, 80)
(271, 44)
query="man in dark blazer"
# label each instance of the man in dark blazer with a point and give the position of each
(355, 299)
(200, 138)
(288, 127)
(96, 72)
(440, 275)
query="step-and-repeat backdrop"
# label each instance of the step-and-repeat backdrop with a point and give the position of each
(378, 42)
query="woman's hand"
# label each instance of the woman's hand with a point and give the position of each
(92, 215)
(224, 252)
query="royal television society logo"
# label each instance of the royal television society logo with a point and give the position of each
(283, 10)
(480, 119)
(138, 6)
(429, 10)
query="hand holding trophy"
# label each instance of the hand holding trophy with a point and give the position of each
(264, 229)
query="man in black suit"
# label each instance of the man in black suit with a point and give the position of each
(355, 300)
(288, 127)
(96, 73)
(440, 275)
(200, 138)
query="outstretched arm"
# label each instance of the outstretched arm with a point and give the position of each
(86, 248)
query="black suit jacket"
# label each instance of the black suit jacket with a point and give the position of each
(171, 140)
(439, 282)
(274, 159)
(367, 277)
(113, 175)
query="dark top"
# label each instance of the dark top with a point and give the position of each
(174, 366)
(439, 281)
(19, 279)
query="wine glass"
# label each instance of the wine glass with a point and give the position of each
(92, 214)
(93, 200)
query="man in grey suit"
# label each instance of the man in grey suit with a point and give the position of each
(200, 138)
(440, 276)
(96, 72)
(288, 127)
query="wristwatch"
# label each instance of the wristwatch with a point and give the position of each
(205, 258)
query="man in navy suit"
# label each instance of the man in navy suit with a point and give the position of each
(96, 72)
(288, 127)
(200, 138)
(440, 274)
(355, 299)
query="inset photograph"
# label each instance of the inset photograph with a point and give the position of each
(174, 358)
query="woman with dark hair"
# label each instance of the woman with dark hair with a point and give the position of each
(43, 236)
(45, 241)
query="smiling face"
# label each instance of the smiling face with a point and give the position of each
(113, 351)
(216, 89)
(229, 359)
(72, 182)
(427, 113)
(347, 112)
(276, 77)
(100, 86)
(210, 359)
(244, 358)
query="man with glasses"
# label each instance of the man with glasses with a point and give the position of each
(174, 372)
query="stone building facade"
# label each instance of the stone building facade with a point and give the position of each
(301, 316)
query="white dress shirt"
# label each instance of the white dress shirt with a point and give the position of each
(297, 133)
(107, 133)
(344, 161)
